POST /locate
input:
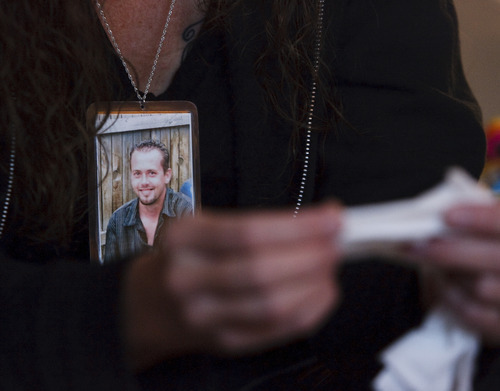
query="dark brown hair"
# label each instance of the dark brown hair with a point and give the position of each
(55, 61)
(148, 145)
(50, 69)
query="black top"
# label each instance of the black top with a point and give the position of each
(409, 115)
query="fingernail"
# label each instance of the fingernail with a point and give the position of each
(331, 219)
(461, 217)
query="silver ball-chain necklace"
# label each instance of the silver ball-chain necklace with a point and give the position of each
(142, 98)
(312, 103)
(10, 183)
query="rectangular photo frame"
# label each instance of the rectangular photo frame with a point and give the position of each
(121, 126)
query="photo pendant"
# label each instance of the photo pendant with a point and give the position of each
(117, 189)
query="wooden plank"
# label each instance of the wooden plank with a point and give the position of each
(148, 121)
(106, 182)
(174, 158)
(185, 152)
(117, 170)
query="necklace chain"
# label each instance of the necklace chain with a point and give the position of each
(317, 52)
(142, 98)
(316, 59)
(10, 183)
(317, 49)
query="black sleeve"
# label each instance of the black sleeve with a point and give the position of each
(59, 328)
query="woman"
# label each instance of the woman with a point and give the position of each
(234, 299)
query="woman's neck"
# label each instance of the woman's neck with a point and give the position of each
(137, 27)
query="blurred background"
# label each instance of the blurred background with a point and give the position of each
(479, 22)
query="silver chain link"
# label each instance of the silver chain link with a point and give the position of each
(142, 98)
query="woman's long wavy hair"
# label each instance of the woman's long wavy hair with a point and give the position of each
(55, 60)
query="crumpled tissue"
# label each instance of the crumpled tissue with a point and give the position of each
(437, 356)
(380, 228)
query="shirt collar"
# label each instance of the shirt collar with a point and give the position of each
(132, 215)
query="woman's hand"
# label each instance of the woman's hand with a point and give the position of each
(232, 283)
(466, 267)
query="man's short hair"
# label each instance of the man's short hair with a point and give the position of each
(148, 145)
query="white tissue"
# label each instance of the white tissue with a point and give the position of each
(381, 227)
(437, 356)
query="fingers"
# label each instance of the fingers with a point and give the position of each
(460, 252)
(227, 232)
(474, 243)
(483, 219)
(281, 322)
(264, 301)
(488, 288)
(244, 282)
(476, 304)
(468, 266)
(263, 318)
(248, 269)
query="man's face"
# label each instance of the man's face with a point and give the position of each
(148, 178)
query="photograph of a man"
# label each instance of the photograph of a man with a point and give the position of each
(136, 226)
